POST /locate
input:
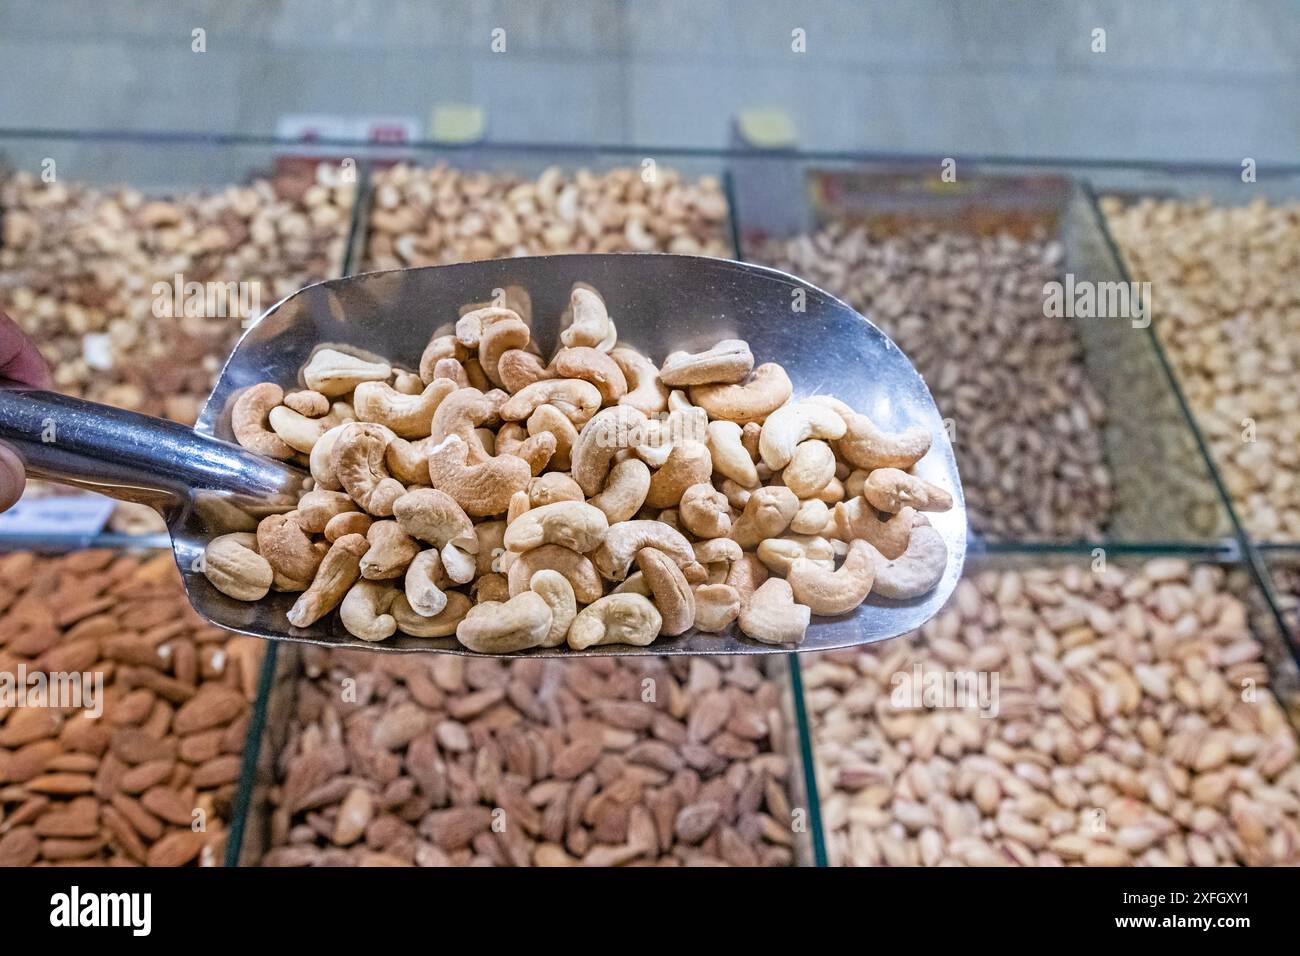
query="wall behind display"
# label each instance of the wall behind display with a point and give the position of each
(1179, 78)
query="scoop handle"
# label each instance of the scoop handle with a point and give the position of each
(129, 456)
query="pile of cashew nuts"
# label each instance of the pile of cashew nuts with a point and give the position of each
(505, 500)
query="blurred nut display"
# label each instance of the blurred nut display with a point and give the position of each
(1227, 310)
(425, 216)
(95, 277)
(441, 760)
(1131, 724)
(142, 768)
(968, 311)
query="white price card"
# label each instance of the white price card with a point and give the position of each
(64, 515)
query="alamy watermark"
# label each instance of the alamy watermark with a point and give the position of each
(922, 689)
(57, 689)
(1083, 299)
(207, 300)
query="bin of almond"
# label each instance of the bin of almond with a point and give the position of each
(1067, 714)
(122, 714)
(594, 499)
(447, 761)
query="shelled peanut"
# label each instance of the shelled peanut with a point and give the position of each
(447, 761)
(1108, 719)
(968, 311)
(139, 761)
(538, 486)
(1227, 310)
(79, 265)
(436, 215)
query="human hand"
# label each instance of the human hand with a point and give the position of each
(20, 365)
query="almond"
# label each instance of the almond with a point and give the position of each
(212, 706)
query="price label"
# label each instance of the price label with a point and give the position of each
(62, 515)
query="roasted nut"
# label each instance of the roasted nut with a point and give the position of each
(233, 566)
(616, 619)
(522, 622)
(771, 615)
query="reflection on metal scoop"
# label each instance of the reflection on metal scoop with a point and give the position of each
(204, 485)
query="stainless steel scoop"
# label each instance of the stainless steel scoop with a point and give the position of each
(204, 484)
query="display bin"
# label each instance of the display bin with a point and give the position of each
(143, 761)
(437, 206)
(136, 263)
(1219, 250)
(292, 805)
(1163, 493)
(1048, 736)
(1027, 386)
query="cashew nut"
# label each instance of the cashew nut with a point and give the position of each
(867, 446)
(317, 507)
(729, 455)
(892, 490)
(555, 589)
(616, 619)
(917, 570)
(481, 487)
(322, 462)
(338, 571)
(425, 583)
(549, 419)
(350, 522)
(233, 566)
(391, 550)
(332, 372)
(767, 513)
(646, 393)
(625, 490)
(716, 607)
(592, 365)
(626, 538)
(705, 512)
(602, 437)
(442, 624)
(493, 627)
(728, 361)
(440, 347)
(249, 420)
(778, 554)
(764, 393)
(289, 550)
(811, 518)
(407, 416)
(364, 611)
(307, 402)
(791, 424)
(834, 591)
(772, 616)
(576, 568)
(857, 519)
(673, 596)
(519, 368)
(688, 464)
(359, 465)
(502, 331)
(578, 400)
(572, 524)
(590, 319)
(551, 487)
(810, 468)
